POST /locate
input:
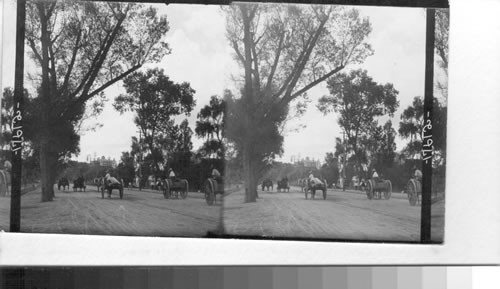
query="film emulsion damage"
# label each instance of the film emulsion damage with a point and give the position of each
(250, 120)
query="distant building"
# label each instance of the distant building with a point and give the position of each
(103, 162)
(306, 162)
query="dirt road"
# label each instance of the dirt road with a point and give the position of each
(139, 213)
(343, 215)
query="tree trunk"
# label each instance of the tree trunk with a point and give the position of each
(250, 179)
(47, 169)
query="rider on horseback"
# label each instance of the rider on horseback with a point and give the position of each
(6, 165)
(417, 174)
(171, 175)
(375, 176)
(216, 174)
(109, 180)
(313, 180)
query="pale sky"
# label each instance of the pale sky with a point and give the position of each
(201, 56)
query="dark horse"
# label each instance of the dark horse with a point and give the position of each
(266, 184)
(283, 185)
(63, 182)
(79, 184)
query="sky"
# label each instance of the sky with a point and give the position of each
(201, 56)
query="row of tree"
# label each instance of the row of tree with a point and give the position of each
(156, 102)
(286, 51)
(81, 48)
(78, 50)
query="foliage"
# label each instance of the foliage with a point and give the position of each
(383, 147)
(125, 169)
(284, 52)
(411, 125)
(210, 125)
(155, 100)
(79, 49)
(180, 157)
(359, 101)
(7, 114)
(330, 169)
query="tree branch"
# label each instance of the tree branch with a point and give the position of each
(103, 56)
(35, 51)
(316, 82)
(256, 68)
(275, 64)
(52, 69)
(82, 99)
(238, 53)
(72, 62)
(310, 46)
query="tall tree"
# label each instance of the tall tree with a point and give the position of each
(180, 155)
(126, 168)
(410, 127)
(359, 101)
(210, 125)
(383, 150)
(330, 169)
(411, 124)
(155, 99)
(80, 49)
(284, 51)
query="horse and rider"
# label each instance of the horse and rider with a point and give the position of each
(109, 183)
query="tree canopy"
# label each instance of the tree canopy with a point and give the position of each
(156, 100)
(359, 101)
(285, 51)
(79, 49)
(210, 125)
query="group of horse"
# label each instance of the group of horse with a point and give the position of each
(282, 185)
(78, 184)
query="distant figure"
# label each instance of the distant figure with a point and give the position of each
(171, 174)
(107, 176)
(417, 174)
(313, 180)
(158, 183)
(216, 174)
(110, 180)
(311, 176)
(375, 176)
(7, 166)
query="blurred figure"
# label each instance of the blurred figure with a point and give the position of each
(417, 174)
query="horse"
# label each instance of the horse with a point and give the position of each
(98, 182)
(283, 185)
(79, 183)
(63, 182)
(109, 187)
(266, 184)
